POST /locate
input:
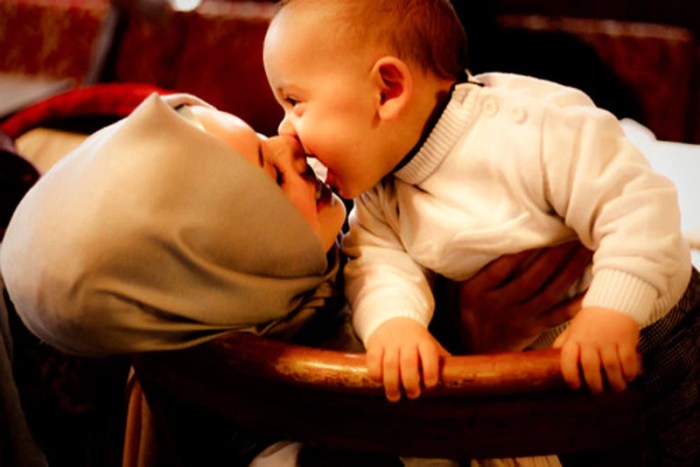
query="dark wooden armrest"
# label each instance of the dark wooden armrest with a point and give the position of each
(487, 405)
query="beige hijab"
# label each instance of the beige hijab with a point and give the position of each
(153, 235)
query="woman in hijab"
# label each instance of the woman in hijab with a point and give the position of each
(133, 242)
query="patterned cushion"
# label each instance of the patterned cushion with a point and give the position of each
(214, 53)
(50, 37)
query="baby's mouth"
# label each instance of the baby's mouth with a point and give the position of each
(324, 192)
(324, 195)
(333, 183)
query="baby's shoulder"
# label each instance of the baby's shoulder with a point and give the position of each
(534, 89)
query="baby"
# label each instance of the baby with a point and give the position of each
(449, 171)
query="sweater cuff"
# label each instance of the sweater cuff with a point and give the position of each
(366, 320)
(623, 292)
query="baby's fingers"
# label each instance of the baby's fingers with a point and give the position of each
(631, 362)
(570, 355)
(375, 361)
(392, 383)
(430, 363)
(613, 368)
(590, 365)
(410, 372)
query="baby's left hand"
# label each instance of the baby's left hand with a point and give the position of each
(599, 338)
(402, 353)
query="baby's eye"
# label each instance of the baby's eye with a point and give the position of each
(292, 101)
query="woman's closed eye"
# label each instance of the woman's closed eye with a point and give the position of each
(269, 167)
(279, 175)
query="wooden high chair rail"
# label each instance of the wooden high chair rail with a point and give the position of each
(510, 404)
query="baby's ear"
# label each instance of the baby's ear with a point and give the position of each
(394, 86)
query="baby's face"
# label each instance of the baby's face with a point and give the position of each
(329, 98)
(282, 158)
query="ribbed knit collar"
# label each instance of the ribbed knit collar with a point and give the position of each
(431, 151)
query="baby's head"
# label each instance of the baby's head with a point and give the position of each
(359, 79)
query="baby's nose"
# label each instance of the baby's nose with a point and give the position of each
(285, 152)
(286, 128)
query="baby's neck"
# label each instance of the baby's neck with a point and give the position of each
(440, 97)
(431, 95)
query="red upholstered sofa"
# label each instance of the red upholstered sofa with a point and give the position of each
(214, 52)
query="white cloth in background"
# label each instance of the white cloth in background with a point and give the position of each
(680, 162)
(280, 454)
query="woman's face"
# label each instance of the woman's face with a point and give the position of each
(283, 159)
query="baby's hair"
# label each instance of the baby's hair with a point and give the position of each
(427, 33)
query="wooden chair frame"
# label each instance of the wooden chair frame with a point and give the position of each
(501, 405)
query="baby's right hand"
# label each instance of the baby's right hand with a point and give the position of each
(398, 352)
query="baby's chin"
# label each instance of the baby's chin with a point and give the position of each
(345, 190)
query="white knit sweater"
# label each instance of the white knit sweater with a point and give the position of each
(516, 164)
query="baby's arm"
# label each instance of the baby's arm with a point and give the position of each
(391, 298)
(600, 343)
(605, 190)
(401, 352)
